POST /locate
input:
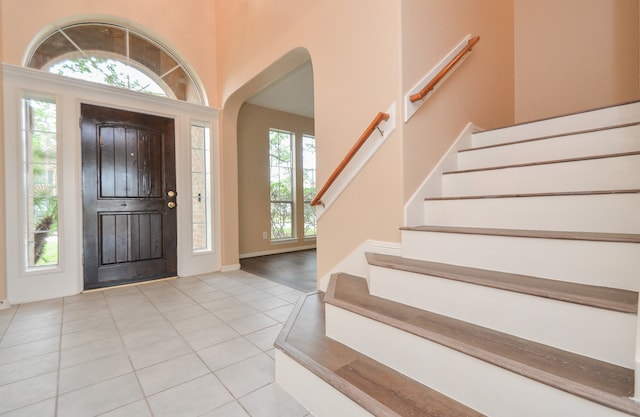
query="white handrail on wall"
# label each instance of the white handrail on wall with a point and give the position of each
(411, 107)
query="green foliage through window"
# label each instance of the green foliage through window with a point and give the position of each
(40, 143)
(281, 175)
(109, 72)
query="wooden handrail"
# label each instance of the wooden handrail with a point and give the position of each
(336, 172)
(427, 88)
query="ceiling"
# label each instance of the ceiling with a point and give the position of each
(292, 93)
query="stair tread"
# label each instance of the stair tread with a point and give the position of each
(375, 387)
(614, 299)
(527, 233)
(526, 195)
(595, 380)
(559, 135)
(549, 162)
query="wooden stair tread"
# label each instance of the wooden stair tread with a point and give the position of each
(375, 387)
(614, 299)
(525, 195)
(594, 380)
(541, 234)
(559, 135)
(555, 161)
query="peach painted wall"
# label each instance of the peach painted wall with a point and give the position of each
(187, 27)
(574, 55)
(480, 91)
(354, 50)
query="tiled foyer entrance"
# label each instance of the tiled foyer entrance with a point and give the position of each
(198, 346)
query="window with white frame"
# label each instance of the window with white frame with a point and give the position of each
(309, 184)
(40, 156)
(292, 174)
(200, 186)
(281, 176)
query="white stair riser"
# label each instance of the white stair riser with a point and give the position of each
(619, 173)
(609, 213)
(312, 392)
(583, 121)
(594, 332)
(610, 264)
(603, 142)
(488, 389)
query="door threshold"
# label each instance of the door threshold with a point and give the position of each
(130, 284)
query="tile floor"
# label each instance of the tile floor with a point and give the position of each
(198, 346)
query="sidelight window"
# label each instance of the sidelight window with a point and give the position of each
(200, 184)
(40, 144)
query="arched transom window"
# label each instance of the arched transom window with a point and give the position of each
(117, 56)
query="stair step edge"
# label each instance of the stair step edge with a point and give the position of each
(533, 195)
(392, 403)
(526, 233)
(613, 299)
(543, 363)
(546, 137)
(549, 162)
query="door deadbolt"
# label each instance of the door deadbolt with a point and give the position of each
(171, 193)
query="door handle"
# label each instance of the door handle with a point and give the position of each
(171, 204)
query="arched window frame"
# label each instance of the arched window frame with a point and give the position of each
(124, 44)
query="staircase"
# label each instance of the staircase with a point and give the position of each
(518, 296)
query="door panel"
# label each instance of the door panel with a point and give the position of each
(128, 172)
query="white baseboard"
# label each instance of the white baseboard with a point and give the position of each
(4, 304)
(277, 251)
(229, 268)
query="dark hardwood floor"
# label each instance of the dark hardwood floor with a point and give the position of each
(294, 269)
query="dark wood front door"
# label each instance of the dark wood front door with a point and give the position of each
(128, 196)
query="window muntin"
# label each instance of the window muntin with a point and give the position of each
(200, 186)
(309, 184)
(281, 176)
(101, 41)
(40, 145)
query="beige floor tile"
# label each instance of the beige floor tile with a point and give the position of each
(98, 354)
(191, 399)
(210, 336)
(171, 373)
(98, 399)
(135, 409)
(29, 350)
(28, 368)
(94, 372)
(27, 392)
(248, 375)
(28, 336)
(159, 352)
(227, 353)
(229, 410)
(91, 351)
(46, 408)
(265, 338)
(252, 323)
(88, 336)
(272, 401)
